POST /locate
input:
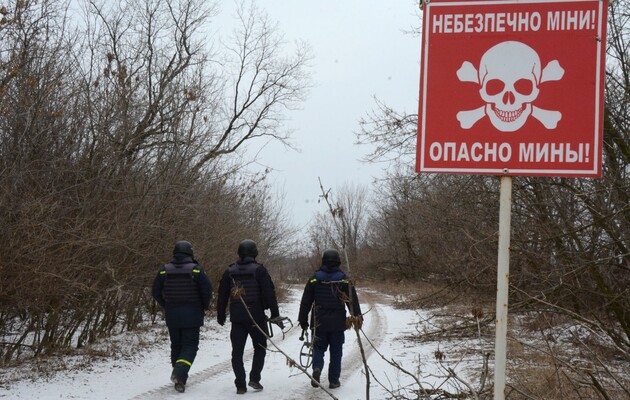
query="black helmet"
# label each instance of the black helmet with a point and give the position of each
(331, 256)
(183, 246)
(247, 248)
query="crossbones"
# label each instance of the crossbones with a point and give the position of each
(509, 75)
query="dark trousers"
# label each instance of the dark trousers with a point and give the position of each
(322, 341)
(184, 346)
(238, 336)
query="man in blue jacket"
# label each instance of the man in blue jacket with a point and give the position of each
(329, 292)
(184, 290)
(246, 281)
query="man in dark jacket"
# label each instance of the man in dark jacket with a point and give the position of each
(184, 290)
(328, 292)
(248, 282)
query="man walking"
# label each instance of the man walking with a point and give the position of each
(184, 290)
(329, 293)
(248, 290)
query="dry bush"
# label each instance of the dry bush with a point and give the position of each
(114, 145)
(550, 356)
(546, 364)
(428, 295)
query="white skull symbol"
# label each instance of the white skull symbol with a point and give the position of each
(509, 74)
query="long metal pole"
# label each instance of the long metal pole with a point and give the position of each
(503, 281)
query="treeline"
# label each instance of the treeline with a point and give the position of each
(570, 239)
(121, 129)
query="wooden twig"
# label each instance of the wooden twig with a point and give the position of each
(290, 360)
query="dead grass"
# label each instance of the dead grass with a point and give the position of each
(540, 369)
(68, 359)
(426, 295)
(545, 360)
(282, 292)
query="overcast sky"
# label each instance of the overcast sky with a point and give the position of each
(360, 51)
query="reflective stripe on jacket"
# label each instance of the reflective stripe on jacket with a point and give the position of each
(328, 293)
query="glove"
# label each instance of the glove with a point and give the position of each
(304, 325)
(359, 322)
(221, 320)
(278, 321)
(355, 322)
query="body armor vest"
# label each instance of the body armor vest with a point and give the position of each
(330, 289)
(179, 285)
(244, 277)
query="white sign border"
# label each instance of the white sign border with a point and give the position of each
(504, 171)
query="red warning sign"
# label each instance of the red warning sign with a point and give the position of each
(512, 87)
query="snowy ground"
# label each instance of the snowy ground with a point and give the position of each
(145, 374)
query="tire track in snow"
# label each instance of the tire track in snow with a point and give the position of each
(352, 362)
(375, 327)
(203, 376)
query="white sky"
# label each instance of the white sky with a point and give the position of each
(360, 51)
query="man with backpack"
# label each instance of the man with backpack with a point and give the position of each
(247, 288)
(184, 290)
(329, 292)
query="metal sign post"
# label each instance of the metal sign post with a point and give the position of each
(511, 87)
(503, 282)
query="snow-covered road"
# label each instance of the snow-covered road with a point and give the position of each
(145, 375)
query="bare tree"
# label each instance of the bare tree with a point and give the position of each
(106, 124)
(392, 133)
(266, 83)
(344, 224)
(570, 243)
